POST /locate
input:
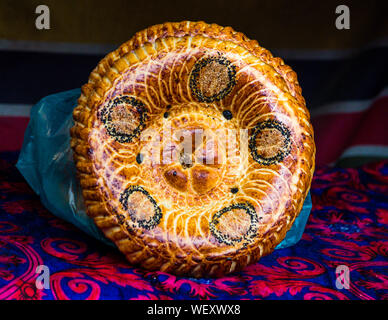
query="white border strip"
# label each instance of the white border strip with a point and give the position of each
(366, 150)
(347, 106)
(327, 54)
(56, 47)
(15, 110)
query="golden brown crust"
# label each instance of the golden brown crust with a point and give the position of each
(118, 185)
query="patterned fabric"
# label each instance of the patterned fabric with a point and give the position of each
(348, 226)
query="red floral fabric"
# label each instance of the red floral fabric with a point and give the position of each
(347, 227)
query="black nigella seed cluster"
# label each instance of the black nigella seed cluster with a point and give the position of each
(224, 238)
(227, 114)
(139, 158)
(234, 190)
(106, 118)
(142, 223)
(120, 218)
(285, 132)
(195, 88)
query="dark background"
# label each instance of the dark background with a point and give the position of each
(83, 31)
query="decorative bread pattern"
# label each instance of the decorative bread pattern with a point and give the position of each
(194, 149)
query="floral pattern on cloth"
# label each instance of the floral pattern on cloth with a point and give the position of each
(347, 227)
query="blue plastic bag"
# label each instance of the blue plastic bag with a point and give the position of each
(46, 162)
